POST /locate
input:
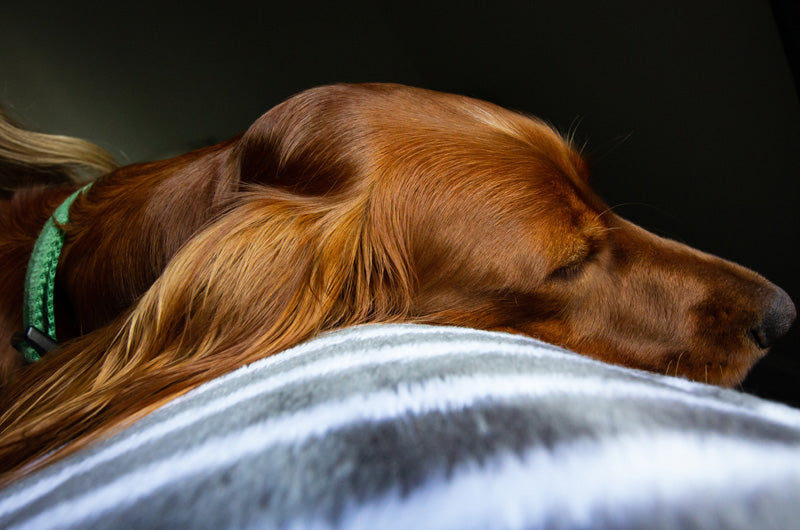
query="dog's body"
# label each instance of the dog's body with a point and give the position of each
(351, 204)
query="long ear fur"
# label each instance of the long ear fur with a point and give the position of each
(273, 271)
(303, 246)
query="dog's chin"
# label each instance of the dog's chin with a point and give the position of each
(729, 369)
(733, 376)
(714, 366)
(739, 368)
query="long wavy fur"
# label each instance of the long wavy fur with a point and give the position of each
(272, 272)
(274, 268)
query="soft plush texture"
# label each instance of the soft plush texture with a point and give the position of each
(403, 426)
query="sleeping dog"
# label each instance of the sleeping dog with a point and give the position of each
(343, 205)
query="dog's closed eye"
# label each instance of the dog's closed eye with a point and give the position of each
(576, 264)
(571, 270)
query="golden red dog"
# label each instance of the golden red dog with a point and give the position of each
(344, 205)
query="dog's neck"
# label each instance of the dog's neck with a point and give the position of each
(38, 335)
(21, 218)
(117, 242)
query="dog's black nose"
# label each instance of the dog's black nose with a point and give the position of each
(777, 320)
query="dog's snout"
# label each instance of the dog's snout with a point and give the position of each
(777, 320)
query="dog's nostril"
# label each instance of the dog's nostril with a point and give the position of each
(759, 337)
(777, 320)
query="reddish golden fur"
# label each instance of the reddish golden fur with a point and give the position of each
(347, 205)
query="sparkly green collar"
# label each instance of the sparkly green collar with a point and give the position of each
(38, 311)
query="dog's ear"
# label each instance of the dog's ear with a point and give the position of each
(257, 156)
(307, 145)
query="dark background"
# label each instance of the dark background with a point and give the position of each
(689, 108)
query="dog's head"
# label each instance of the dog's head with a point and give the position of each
(482, 217)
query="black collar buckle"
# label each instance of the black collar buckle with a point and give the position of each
(33, 338)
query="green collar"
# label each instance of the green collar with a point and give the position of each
(38, 311)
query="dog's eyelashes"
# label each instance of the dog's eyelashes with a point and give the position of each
(569, 271)
(574, 268)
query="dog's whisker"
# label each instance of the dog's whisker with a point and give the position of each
(678, 362)
(615, 143)
(573, 129)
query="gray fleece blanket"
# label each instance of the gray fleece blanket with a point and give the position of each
(419, 427)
